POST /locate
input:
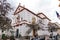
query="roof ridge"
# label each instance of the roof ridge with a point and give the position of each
(44, 15)
(24, 8)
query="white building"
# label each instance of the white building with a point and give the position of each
(24, 16)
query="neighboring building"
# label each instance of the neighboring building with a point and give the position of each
(24, 16)
(58, 29)
(54, 27)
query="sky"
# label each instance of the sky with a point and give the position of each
(48, 7)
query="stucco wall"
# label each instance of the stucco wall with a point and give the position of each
(25, 15)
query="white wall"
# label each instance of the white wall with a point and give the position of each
(27, 16)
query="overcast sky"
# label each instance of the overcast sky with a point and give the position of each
(48, 7)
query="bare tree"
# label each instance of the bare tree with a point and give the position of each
(5, 22)
(34, 27)
(5, 7)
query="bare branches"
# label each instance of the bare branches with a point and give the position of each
(5, 22)
(4, 7)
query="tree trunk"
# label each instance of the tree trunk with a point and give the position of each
(34, 32)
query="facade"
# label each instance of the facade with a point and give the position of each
(45, 21)
(58, 30)
(23, 16)
(54, 27)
